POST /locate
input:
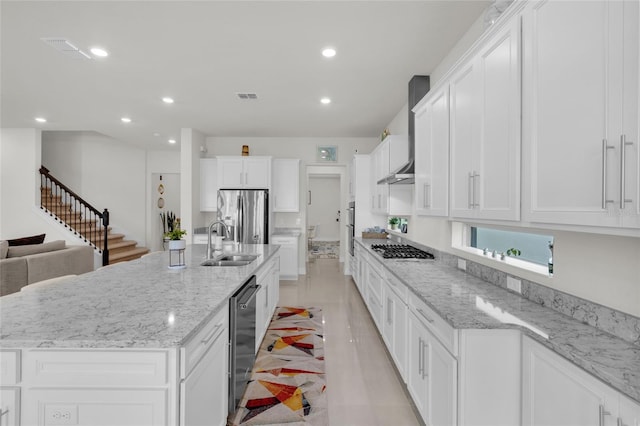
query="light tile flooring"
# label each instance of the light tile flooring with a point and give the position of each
(363, 387)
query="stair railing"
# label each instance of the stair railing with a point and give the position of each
(74, 213)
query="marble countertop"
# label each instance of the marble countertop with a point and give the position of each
(294, 232)
(467, 302)
(141, 303)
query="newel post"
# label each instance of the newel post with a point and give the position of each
(105, 248)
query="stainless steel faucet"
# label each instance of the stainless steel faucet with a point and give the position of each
(227, 232)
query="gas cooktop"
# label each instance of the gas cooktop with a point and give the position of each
(400, 251)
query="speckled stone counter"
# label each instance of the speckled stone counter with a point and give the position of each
(467, 302)
(141, 303)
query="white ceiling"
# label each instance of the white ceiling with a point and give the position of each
(202, 52)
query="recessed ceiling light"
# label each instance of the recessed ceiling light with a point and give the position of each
(167, 100)
(41, 120)
(325, 101)
(100, 52)
(172, 141)
(125, 120)
(156, 134)
(329, 52)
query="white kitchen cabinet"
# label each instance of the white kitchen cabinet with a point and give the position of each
(432, 154)
(485, 130)
(379, 169)
(374, 293)
(431, 375)
(204, 372)
(208, 185)
(266, 298)
(288, 255)
(244, 172)
(9, 406)
(580, 113)
(556, 392)
(286, 185)
(394, 329)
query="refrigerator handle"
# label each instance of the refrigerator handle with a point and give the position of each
(238, 218)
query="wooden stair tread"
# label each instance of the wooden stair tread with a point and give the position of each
(123, 243)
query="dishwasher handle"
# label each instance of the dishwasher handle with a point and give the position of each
(243, 304)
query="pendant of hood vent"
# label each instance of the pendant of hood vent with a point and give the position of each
(65, 47)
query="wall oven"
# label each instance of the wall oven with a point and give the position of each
(351, 231)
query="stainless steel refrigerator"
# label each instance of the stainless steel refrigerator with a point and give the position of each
(246, 211)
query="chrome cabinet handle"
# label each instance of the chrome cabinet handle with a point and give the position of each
(420, 359)
(470, 190)
(620, 422)
(309, 197)
(427, 317)
(605, 147)
(425, 363)
(623, 148)
(427, 196)
(601, 413)
(389, 309)
(475, 203)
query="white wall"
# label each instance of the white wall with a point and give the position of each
(103, 171)
(190, 153)
(600, 268)
(20, 214)
(325, 203)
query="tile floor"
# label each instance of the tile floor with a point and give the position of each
(363, 387)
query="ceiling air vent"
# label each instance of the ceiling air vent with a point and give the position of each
(64, 46)
(247, 96)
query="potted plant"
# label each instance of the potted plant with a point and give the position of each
(394, 222)
(175, 237)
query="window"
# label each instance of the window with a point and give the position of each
(533, 248)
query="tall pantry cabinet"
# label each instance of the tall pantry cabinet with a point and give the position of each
(580, 113)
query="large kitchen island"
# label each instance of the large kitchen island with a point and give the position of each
(136, 343)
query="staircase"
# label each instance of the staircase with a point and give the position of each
(85, 222)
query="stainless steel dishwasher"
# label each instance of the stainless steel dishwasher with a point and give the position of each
(242, 332)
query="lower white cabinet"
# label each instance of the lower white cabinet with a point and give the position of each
(9, 406)
(431, 375)
(203, 397)
(556, 392)
(394, 329)
(266, 298)
(288, 255)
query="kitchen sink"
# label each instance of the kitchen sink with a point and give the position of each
(230, 260)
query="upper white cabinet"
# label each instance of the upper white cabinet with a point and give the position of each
(389, 199)
(580, 112)
(485, 130)
(432, 154)
(208, 185)
(286, 185)
(244, 172)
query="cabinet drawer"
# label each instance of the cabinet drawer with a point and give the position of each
(397, 287)
(441, 329)
(9, 367)
(95, 368)
(197, 346)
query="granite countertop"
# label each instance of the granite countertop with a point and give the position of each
(141, 303)
(467, 302)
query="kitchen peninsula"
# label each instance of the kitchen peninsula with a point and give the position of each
(132, 343)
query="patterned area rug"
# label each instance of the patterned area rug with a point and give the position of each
(288, 382)
(325, 250)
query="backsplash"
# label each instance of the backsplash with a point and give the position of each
(620, 324)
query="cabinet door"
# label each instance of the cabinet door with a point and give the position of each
(497, 157)
(416, 368)
(113, 406)
(9, 406)
(286, 185)
(442, 370)
(556, 393)
(261, 312)
(208, 185)
(629, 412)
(395, 329)
(464, 133)
(257, 172)
(204, 392)
(432, 155)
(568, 106)
(230, 172)
(288, 257)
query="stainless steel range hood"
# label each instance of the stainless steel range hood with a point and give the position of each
(418, 87)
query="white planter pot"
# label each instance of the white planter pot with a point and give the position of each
(177, 244)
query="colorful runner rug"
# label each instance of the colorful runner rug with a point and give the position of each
(288, 382)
